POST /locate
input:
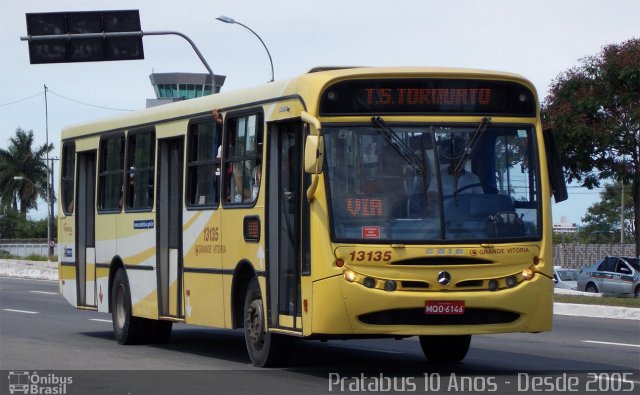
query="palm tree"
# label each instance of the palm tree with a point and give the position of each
(20, 160)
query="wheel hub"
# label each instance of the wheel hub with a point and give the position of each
(255, 323)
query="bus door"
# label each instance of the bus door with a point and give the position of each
(85, 228)
(283, 236)
(169, 226)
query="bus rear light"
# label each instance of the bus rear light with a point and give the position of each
(527, 274)
(349, 276)
(390, 285)
(493, 285)
(339, 262)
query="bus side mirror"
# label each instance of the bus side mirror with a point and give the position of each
(313, 154)
(554, 167)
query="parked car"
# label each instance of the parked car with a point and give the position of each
(565, 278)
(616, 275)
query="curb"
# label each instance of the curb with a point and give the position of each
(49, 271)
(595, 311)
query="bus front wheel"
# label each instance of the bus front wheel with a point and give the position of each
(445, 349)
(126, 328)
(265, 348)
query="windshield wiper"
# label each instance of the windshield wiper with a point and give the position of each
(457, 170)
(399, 145)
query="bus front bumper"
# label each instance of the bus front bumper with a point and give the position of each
(342, 307)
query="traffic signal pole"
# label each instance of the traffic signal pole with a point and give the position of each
(104, 35)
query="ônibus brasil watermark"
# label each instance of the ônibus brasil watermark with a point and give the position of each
(31, 383)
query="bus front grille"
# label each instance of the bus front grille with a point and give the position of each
(417, 316)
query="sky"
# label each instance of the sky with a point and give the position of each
(538, 39)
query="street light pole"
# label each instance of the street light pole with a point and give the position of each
(226, 19)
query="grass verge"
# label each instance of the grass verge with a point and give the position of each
(602, 301)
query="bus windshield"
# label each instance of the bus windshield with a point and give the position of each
(404, 183)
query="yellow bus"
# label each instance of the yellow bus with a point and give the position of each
(343, 203)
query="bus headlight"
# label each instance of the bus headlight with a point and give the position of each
(527, 274)
(349, 276)
(511, 281)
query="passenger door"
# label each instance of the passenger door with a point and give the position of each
(169, 226)
(284, 230)
(604, 275)
(85, 228)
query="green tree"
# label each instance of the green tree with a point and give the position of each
(602, 221)
(594, 110)
(20, 159)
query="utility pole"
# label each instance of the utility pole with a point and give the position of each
(622, 213)
(49, 180)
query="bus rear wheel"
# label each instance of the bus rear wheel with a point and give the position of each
(126, 328)
(265, 348)
(445, 349)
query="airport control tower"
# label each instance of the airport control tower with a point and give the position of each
(171, 87)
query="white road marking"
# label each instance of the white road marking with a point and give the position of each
(44, 292)
(610, 343)
(100, 320)
(21, 311)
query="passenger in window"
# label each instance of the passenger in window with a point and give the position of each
(218, 118)
(70, 207)
(256, 178)
(131, 187)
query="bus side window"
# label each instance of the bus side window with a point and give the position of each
(140, 170)
(68, 176)
(243, 158)
(203, 173)
(110, 177)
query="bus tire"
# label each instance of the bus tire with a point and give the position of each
(160, 331)
(445, 349)
(265, 348)
(126, 328)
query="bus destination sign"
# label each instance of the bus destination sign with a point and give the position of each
(428, 96)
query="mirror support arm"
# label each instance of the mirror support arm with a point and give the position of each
(315, 128)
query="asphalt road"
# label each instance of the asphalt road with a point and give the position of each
(71, 351)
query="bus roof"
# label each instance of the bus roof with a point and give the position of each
(314, 81)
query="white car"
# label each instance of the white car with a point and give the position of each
(565, 278)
